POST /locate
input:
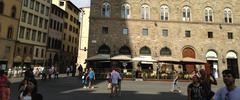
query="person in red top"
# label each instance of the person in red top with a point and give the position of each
(4, 86)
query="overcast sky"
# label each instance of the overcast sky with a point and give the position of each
(81, 3)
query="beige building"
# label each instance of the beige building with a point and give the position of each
(206, 30)
(32, 33)
(70, 32)
(83, 37)
(54, 41)
(9, 20)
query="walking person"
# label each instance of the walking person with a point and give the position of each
(195, 89)
(109, 83)
(80, 71)
(207, 80)
(30, 92)
(91, 78)
(175, 87)
(4, 86)
(84, 78)
(230, 91)
(68, 70)
(115, 76)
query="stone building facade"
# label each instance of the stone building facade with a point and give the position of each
(204, 29)
(9, 20)
(70, 38)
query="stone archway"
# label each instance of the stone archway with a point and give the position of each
(188, 52)
(232, 63)
(212, 63)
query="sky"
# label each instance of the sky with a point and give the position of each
(81, 3)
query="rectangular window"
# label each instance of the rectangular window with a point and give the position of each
(125, 31)
(42, 8)
(36, 53)
(44, 37)
(30, 16)
(65, 25)
(39, 36)
(70, 28)
(37, 6)
(28, 34)
(105, 30)
(25, 3)
(31, 4)
(61, 3)
(210, 34)
(42, 53)
(64, 36)
(69, 38)
(164, 32)
(22, 30)
(40, 22)
(230, 35)
(35, 20)
(50, 23)
(24, 16)
(187, 33)
(45, 24)
(33, 35)
(47, 11)
(145, 32)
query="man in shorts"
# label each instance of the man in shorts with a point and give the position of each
(115, 76)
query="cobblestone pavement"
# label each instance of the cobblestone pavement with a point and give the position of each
(70, 88)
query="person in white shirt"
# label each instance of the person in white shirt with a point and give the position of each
(115, 76)
(230, 91)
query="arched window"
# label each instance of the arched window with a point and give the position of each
(186, 13)
(13, 12)
(10, 33)
(1, 7)
(145, 12)
(228, 15)
(124, 50)
(145, 51)
(164, 12)
(165, 52)
(106, 9)
(104, 49)
(125, 11)
(208, 13)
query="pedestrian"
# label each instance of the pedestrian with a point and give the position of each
(195, 89)
(230, 91)
(206, 80)
(109, 83)
(4, 86)
(91, 78)
(115, 79)
(68, 71)
(55, 72)
(30, 92)
(80, 71)
(84, 78)
(175, 87)
(22, 86)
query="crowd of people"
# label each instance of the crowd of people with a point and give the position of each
(198, 89)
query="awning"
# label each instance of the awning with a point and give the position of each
(167, 59)
(99, 57)
(121, 57)
(192, 60)
(144, 59)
